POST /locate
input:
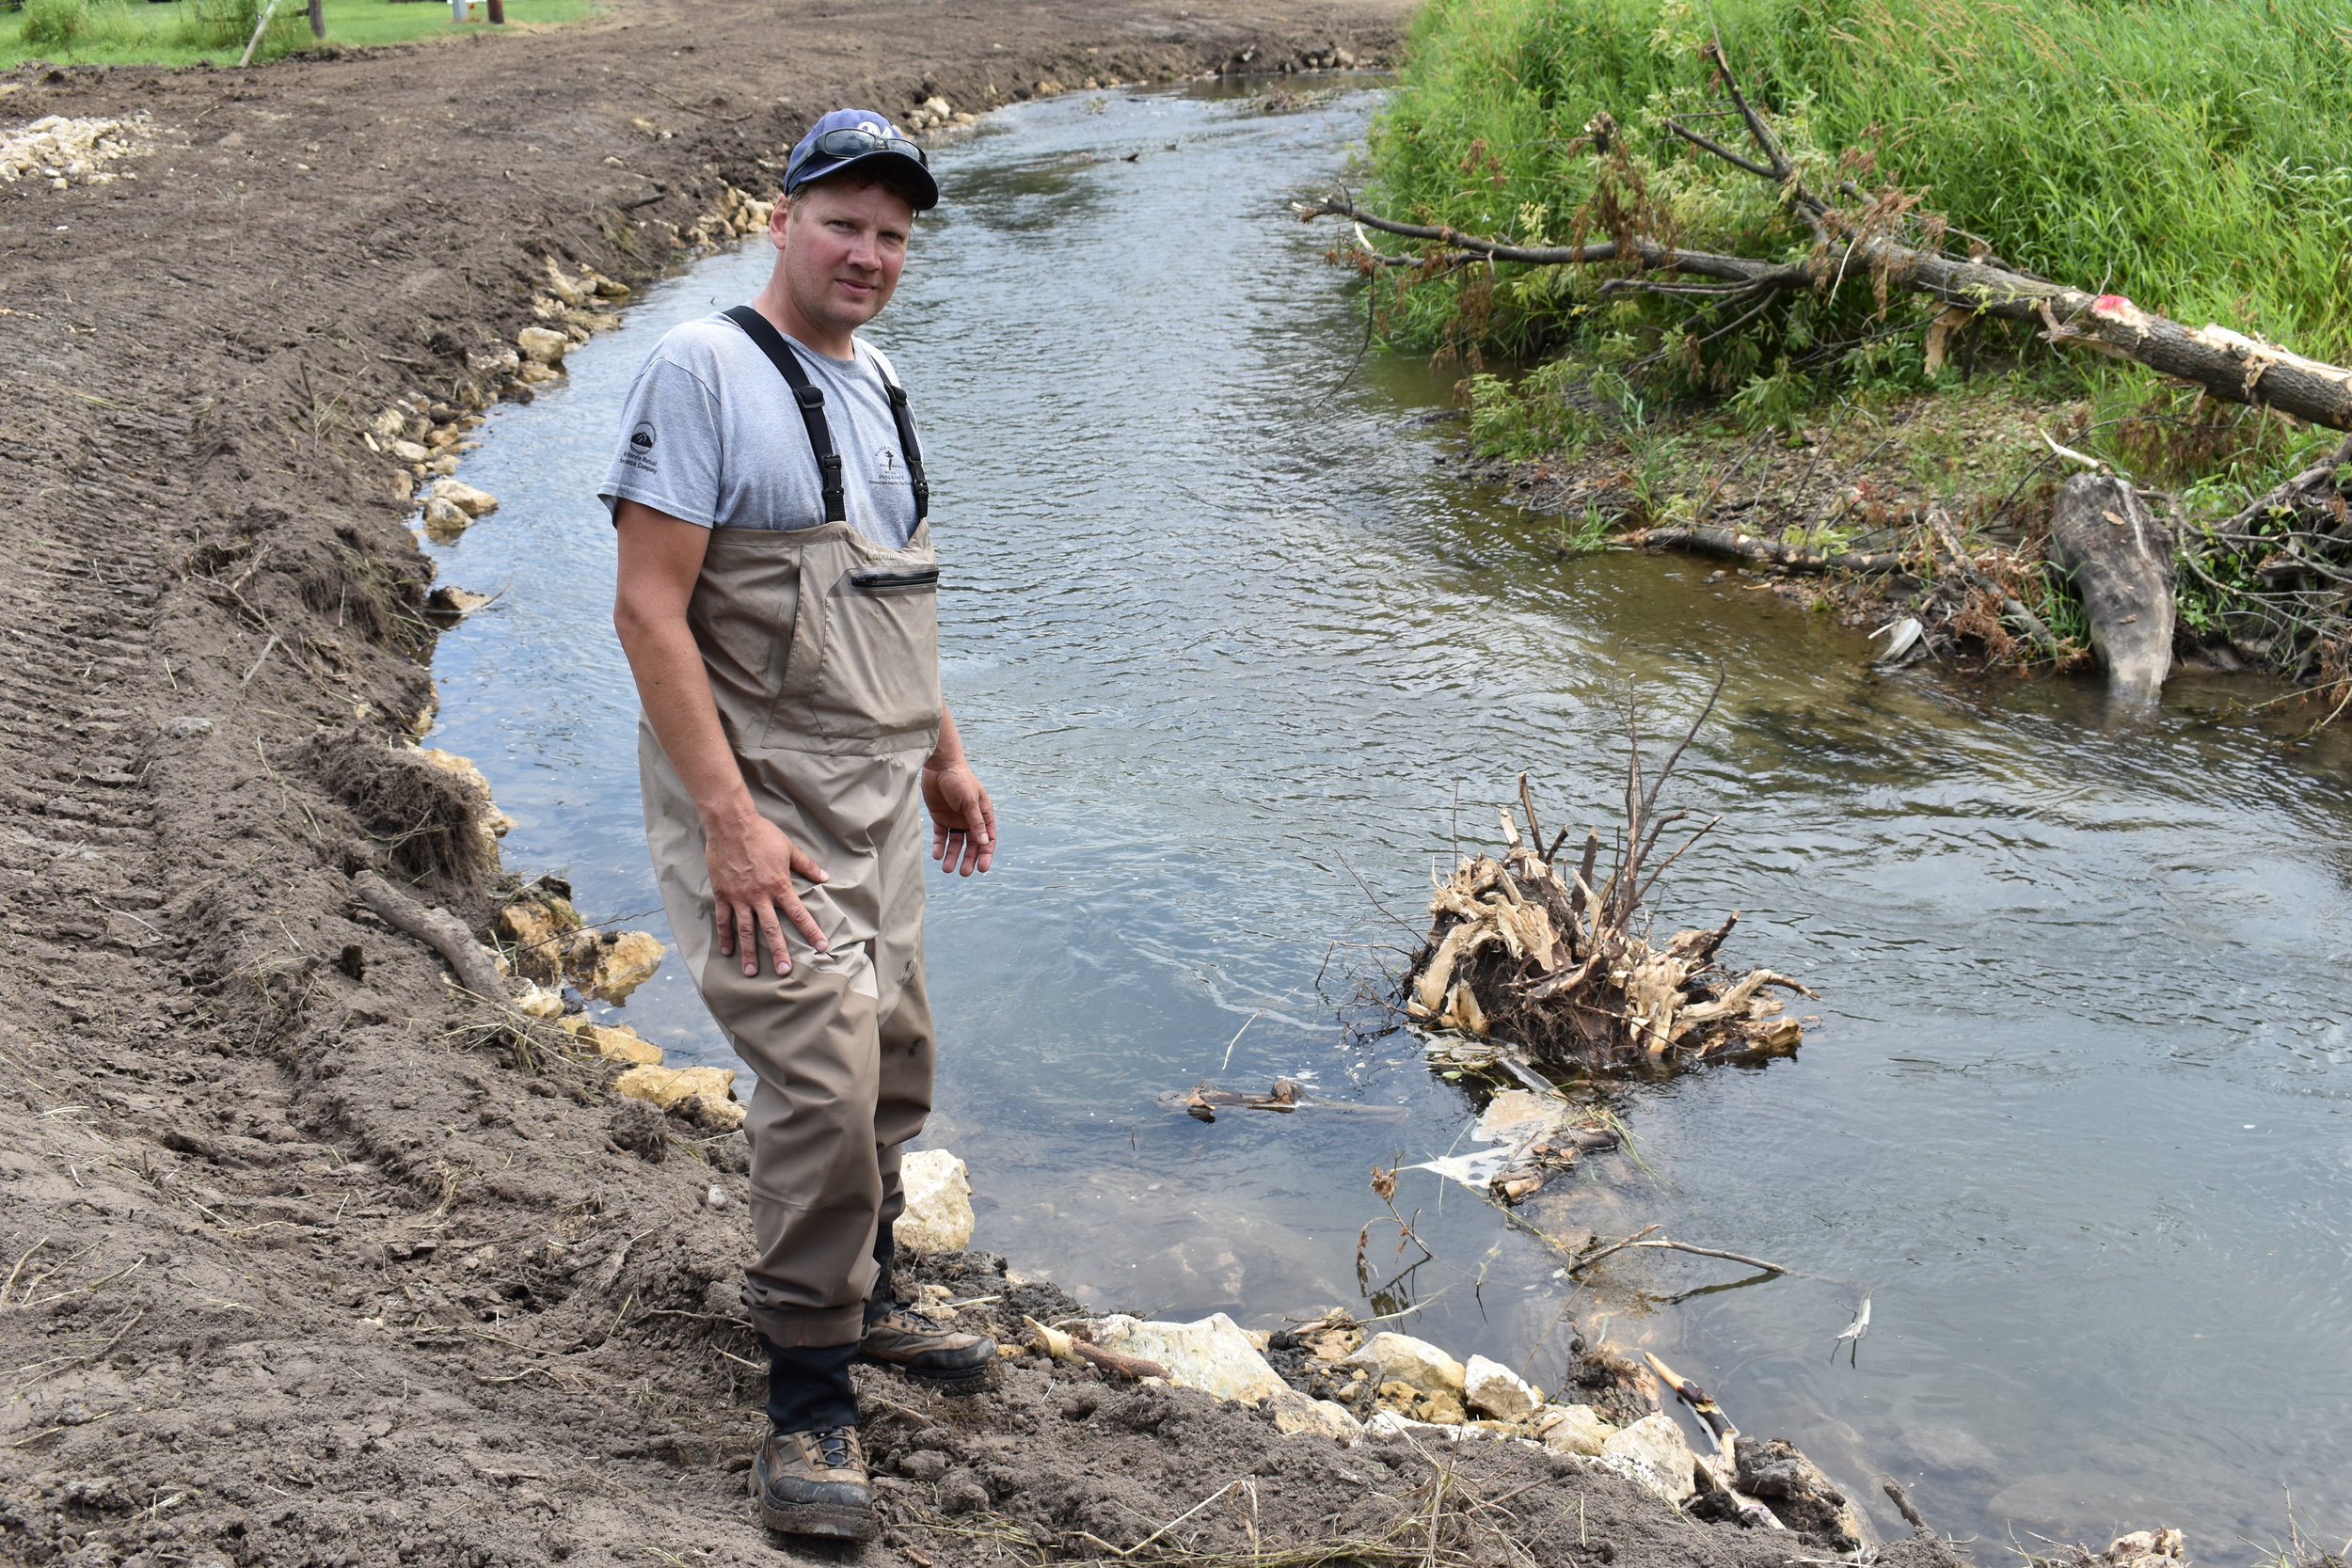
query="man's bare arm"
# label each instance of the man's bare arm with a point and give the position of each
(752, 862)
(963, 820)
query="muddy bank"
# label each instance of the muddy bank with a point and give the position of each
(306, 1257)
(1929, 520)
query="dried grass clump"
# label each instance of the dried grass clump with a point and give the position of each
(1565, 968)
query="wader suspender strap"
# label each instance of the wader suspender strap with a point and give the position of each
(812, 402)
(909, 448)
(810, 398)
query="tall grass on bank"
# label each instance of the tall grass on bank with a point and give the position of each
(2193, 155)
(105, 28)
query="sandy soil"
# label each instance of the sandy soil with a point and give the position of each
(305, 1258)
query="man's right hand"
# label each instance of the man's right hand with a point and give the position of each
(751, 864)
(751, 868)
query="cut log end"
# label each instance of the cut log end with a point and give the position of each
(2121, 560)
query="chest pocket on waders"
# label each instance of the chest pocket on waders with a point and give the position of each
(865, 656)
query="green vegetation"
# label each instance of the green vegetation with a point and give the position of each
(184, 32)
(2194, 154)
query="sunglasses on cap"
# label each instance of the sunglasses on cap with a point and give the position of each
(848, 143)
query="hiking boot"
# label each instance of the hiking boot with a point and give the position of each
(954, 1363)
(814, 1483)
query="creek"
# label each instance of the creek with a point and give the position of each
(1224, 633)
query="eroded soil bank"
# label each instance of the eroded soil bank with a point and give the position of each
(307, 1261)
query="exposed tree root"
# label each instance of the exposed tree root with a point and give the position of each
(1562, 965)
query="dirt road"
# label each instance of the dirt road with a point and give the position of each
(304, 1258)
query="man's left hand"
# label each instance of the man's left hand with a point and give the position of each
(964, 820)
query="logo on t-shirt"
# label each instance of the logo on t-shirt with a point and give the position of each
(887, 468)
(639, 452)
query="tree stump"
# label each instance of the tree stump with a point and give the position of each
(2121, 560)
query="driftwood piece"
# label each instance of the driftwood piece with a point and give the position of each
(1722, 1472)
(438, 929)
(2120, 559)
(1730, 542)
(1130, 1367)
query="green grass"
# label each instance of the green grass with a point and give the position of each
(184, 32)
(2193, 155)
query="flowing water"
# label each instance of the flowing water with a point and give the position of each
(1224, 635)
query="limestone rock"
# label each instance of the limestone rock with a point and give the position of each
(494, 824)
(538, 929)
(2147, 1548)
(472, 502)
(1296, 1414)
(1494, 1389)
(1388, 1423)
(500, 360)
(1421, 1404)
(608, 965)
(538, 1002)
(542, 346)
(450, 762)
(938, 1215)
(1212, 1355)
(408, 452)
(65, 151)
(1779, 1476)
(448, 605)
(665, 1086)
(616, 1043)
(1573, 1428)
(1402, 1358)
(1653, 1453)
(710, 1113)
(444, 520)
(565, 289)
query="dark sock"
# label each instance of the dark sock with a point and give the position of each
(885, 1299)
(808, 1387)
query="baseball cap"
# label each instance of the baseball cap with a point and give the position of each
(848, 137)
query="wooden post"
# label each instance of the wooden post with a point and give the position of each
(318, 19)
(498, 13)
(254, 41)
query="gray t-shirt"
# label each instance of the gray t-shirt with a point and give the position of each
(710, 434)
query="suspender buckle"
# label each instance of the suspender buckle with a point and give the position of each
(810, 396)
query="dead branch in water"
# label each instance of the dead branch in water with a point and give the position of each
(1562, 966)
(1865, 240)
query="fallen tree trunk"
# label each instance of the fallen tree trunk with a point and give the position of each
(1855, 244)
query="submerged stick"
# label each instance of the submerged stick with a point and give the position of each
(1712, 1252)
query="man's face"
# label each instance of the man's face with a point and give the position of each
(841, 247)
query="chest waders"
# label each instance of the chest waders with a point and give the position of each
(822, 650)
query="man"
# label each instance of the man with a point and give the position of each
(776, 599)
